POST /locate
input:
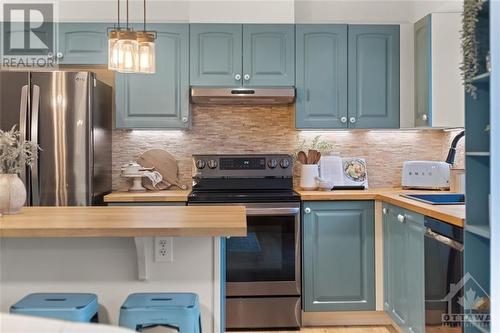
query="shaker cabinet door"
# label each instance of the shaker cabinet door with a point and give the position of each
(159, 100)
(404, 280)
(321, 76)
(83, 43)
(216, 54)
(373, 76)
(422, 72)
(268, 55)
(338, 256)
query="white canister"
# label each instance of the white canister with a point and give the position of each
(308, 175)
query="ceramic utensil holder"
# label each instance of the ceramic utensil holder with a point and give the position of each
(308, 175)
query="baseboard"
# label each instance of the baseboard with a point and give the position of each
(343, 318)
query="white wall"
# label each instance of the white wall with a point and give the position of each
(107, 267)
(232, 11)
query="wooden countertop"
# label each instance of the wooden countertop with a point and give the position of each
(452, 214)
(134, 221)
(148, 196)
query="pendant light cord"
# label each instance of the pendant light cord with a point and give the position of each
(144, 15)
(127, 16)
(118, 9)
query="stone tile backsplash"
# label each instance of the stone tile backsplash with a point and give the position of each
(270, 129)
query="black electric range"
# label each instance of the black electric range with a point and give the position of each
(263, 269)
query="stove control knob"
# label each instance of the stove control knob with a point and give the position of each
(212, 164)
(200, 164)
(272, 163)
(284, 163)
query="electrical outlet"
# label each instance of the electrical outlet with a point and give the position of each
(164, 249)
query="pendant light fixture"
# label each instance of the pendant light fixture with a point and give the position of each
(123, 47)
(146, 48)
(130, 51)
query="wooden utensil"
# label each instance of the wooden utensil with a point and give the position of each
(318, 157)
(311, 157)
(302, 157)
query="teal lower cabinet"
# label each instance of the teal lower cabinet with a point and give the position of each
(404, 280)
(159, 100)
(338, 260)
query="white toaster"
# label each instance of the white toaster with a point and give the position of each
(426, 175)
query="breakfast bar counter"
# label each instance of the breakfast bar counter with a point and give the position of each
(132, 221)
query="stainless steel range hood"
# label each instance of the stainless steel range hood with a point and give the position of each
(243, 96)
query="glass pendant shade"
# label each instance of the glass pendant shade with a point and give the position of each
(112, 50)
(146, 52)
(126, 52)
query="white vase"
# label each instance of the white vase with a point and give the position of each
(12, 194)
(308, 175)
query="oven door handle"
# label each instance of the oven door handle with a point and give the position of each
(444, 240)
(272, 211)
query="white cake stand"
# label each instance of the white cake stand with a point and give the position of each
(136, 182)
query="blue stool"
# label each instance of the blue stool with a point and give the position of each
(65, 306)
(178, 310)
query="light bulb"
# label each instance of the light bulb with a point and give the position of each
(146, 52)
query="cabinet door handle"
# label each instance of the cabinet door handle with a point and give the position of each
(237, 77)
(59, 55)
(352, 120)
(384, 210)
(425, 117)
(343, 120)
(401, 218)
(307, 210)
(246, 77)
(185, 119)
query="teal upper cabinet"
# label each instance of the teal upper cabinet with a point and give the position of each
(404, 287)
(268, 55)
(338, 256)
(439, 91)
(216, 54)
(422, 72)
(233, 55)
(347, 76)
(82, 43)
(321, 66)
(373, 76)
(159, 100)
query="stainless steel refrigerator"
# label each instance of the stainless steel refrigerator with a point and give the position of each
(69, 115)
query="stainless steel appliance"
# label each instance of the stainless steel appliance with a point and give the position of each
(69, 115)
(243, 96)
(263, 269)
(443, 267)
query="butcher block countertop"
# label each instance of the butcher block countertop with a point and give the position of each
(149, 196)
(124, 221)
(452, 214)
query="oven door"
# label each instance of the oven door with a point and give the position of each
(267, 261)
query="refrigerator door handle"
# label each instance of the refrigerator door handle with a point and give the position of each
(35, 108)
(23, 112)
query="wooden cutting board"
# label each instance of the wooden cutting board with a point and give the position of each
(163, 162)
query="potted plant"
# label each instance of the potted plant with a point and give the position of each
(15, 153)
